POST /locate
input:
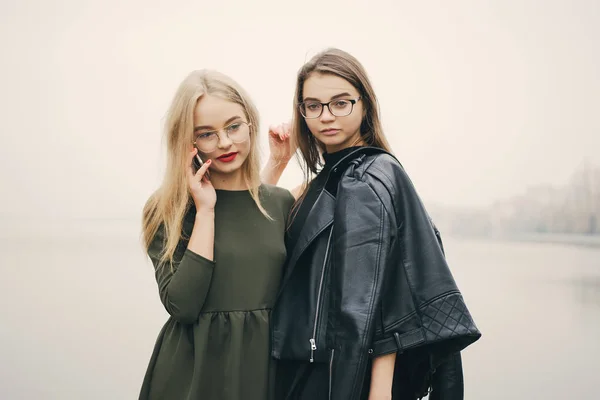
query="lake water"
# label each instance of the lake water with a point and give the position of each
(80, 314)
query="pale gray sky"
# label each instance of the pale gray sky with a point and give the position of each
(479, 98)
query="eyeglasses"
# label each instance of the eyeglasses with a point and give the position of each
(237, 132)
(338, 108)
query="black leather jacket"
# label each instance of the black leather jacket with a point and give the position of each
(368, 277)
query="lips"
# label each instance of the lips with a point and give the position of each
(229, 157)
(329, 132)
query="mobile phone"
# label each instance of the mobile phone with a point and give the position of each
(198, 163)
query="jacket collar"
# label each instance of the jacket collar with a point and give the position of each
(320, 216)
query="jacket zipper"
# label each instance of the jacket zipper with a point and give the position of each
(313, 344)
(330, 371)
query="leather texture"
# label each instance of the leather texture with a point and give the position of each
(368, 276)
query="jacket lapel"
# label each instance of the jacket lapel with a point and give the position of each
(320, 216)
(318, 219)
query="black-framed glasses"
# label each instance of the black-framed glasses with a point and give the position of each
(237, 132)
(339, 107)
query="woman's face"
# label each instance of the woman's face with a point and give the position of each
(338, 125)
(221, 134)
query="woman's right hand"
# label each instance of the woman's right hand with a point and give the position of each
(200, 187)
(281, 145)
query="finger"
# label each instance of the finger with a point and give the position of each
(282, 128)
(285, 128)
(273, 130)
(282, 131)
(274, 135)
(202, 170)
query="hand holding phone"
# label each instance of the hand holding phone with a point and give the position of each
(201, 189)
(198, 163)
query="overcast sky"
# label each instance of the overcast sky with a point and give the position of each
(479, 98)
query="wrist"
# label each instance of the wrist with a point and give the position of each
(278, 162)
(204, 211)
(380, 396)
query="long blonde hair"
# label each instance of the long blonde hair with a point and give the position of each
(169, 204)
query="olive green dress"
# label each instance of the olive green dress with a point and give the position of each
(216, 344)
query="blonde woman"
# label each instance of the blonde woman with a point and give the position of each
(217, 245)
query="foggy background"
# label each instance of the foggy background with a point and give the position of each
(491, 106)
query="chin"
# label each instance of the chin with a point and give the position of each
(337, 140)
(331, 140)
(231, 167)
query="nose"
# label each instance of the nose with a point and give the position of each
(224, 141)
(326, 115)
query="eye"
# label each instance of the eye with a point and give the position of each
(341, 103)
(312, 106)
(233, 127)
(205, 135)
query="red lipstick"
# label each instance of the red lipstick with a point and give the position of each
(229, 157)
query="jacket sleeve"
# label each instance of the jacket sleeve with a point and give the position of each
(362, 238)
(418, 276)
(184, 285)
(419, 271)
(447, 381)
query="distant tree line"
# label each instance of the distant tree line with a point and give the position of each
(570, 209)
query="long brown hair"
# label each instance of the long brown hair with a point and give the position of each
(168, 205)
(340, 63)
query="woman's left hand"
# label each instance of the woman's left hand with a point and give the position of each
(280, 143)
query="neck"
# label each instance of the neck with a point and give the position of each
(233, 181)
(358, 141)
